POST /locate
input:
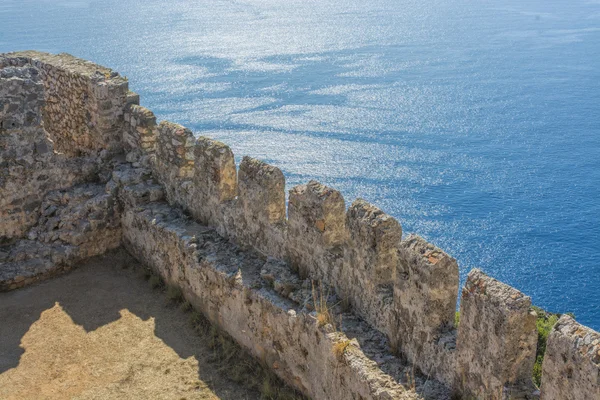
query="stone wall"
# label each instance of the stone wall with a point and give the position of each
(225, 283)
(140, 131)
(29, 165)
(83, 102)
(497, 339)
(74, 224)
(60, 123)
(276, 279)
(571, 368)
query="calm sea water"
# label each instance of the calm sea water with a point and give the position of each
(475, 123)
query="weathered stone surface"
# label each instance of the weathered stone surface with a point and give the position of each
(215, 183)
(134, 185)
(261, 202)
(215, 169)
(84, 216)
(571, 369)
(29, 166)
(174, 162)
(425, 293)
(497, 340)
(316, 226)
(370, 260)
(225, 283)
(75, 224)
(375, 239)
(141, 131)
(280, 276)
(84, 102)
(27, 261)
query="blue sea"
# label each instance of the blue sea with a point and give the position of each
(475, 123)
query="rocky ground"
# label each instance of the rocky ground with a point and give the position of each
(102, 332)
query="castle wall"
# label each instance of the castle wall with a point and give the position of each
(571, 368)
(407, 288)
(60, 120)
(425, 293)
(84, 102)
(496, 341)
(224, 282)
(29, 165)
(251, 265)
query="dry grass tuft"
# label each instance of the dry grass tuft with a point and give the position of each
(175, 294)
(410, 379)
(155, 282)
(198, 321)
(185, 306)
(324, 314)
(339, 349)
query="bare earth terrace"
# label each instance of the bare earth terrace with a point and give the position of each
(103, 332)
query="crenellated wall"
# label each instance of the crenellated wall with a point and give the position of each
(251, 265)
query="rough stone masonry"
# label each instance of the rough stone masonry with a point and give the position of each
(333, 299)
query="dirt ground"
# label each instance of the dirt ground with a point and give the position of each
(101, 332)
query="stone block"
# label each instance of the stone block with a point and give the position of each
(132, 98)
(316, 226)
(374, 237)
(260, 221)
(571, 368)
(261, 191)
(174, 162)
(215, 173)
(425, 294)
(317, 214)
(141, 130)
(497, 340)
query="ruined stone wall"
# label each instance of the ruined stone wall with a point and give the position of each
(83, 102)
(225, 283)
(29, 165)
(407, 288)
(55, 138)
(572, 362)
(258, 269)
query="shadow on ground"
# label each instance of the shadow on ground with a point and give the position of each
(101, 292)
